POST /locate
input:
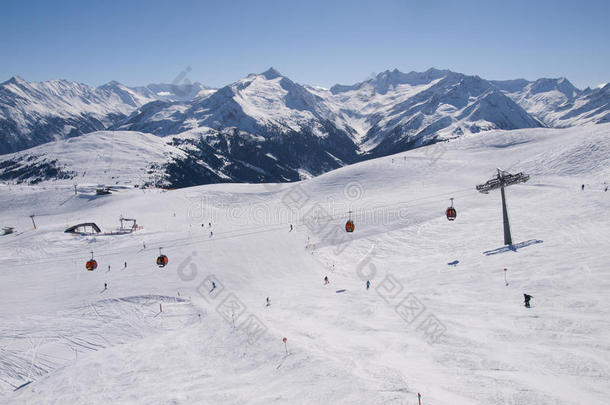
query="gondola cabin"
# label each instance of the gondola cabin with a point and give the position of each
(349, 226)
(162, 261)
(451, 212)
(91, 265)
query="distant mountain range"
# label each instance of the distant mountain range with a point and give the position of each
(267, 128)
(32, 113)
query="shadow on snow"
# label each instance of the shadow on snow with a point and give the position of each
(513, 247)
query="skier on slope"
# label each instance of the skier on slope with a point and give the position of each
(527, 299)
(290, 228)
(326, 280)
(582, 188)
(368, 284)
(268, 301)
(213, 286)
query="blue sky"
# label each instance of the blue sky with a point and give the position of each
(313, 42)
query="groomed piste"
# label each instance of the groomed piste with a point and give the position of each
(247, 264)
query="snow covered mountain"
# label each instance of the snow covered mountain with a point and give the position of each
(98, 158)
(267, 128)
(289, 131)
(139, 159)
(265, 122)
(557, 103)
(261, 104)
(397, 111)
(32, 113)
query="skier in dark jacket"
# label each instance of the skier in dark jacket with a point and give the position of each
(527, 299)
(368, 284)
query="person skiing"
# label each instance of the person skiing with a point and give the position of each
(606, 189)
(582, 187)
(211, 234)
(290, 228)
(368, 284)
(527, 299)
(105, 286)
(326, 280)
(268, 301)
(125, 265)
(213, 286)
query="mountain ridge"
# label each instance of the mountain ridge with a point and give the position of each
(266, 127)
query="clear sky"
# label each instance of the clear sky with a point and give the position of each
(314, 42)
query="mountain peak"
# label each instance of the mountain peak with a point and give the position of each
(113, 84)
(15, 80)
(435, 71)
(561, 84)
(390, 73)
(271, 74)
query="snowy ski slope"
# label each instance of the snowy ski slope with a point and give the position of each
(456, 333)
(102, 157)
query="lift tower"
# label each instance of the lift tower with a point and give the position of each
(500, 181)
